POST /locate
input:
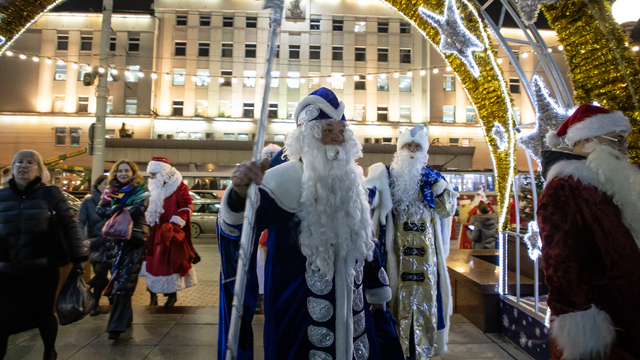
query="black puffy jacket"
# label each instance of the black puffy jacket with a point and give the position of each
(24, 218)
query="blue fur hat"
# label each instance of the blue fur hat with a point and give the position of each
(322, 104)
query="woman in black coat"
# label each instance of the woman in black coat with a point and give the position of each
(126, 189)
(28, 277)
(102, 252)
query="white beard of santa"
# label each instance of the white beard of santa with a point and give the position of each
(335, 210)
(406, 169)
(165, 184)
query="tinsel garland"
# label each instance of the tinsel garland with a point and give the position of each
(17, 15)
(603, 69)
(488, 92)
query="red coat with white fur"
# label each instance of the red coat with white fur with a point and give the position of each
(169, 250)
(592, 267)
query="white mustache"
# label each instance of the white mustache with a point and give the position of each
(334, 152)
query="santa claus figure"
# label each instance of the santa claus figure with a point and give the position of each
(169, 251)
(588, 220)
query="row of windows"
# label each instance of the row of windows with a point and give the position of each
(251, 22)
(131, 105)
(86, 43)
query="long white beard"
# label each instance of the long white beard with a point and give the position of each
(162, 186)
(406, 170)
(335, 215)
(619, 179)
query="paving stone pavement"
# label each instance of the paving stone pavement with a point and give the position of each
(189, 331)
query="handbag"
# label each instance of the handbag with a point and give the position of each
(119, 226)
(75, 300)
(57, 253)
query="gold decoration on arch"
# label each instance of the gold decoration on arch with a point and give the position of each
(17, 15)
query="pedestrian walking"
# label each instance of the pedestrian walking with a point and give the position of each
(28, 272)
(483, 228)
(126, 190)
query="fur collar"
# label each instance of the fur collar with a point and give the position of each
(577, 169)
(171, 185)
(284, 184)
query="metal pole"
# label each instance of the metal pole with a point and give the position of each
(102, 93)
(246, 240)
(516, 191)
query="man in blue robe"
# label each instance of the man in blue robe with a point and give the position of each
(321, 273)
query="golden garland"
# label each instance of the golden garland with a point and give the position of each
(488, 92)
(17, 15)
(603, 68)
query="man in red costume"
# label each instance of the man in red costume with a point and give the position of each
(169, 248)
(588, 220)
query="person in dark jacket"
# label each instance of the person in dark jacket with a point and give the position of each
(126, 189)
(28, 278)
(484, 224)
(102, 251)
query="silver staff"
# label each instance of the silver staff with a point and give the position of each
(246, 241)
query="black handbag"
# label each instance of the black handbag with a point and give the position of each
(57, 253)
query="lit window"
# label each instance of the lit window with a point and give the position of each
(203, 49)
(82, 69)
(470, 114)
(63, 43)
(279, 137)
(314, 52)
(314, 81)
(449, 83)
(359, 114)
(202, 108)
(179, 76)
(134, 44)
(361, 54)
(74, 136)
(473, 182)
(337, 81)
(314, 24)
(249, 78)
(61, 72)
(250, 51)
(405, 56)
(275, 79)
(61, 136)
(448, 114)
(338, 25)
(229, 136)
(291, 109)
(178, 107)
(405, 28)
(58, 103)
(361, 83)
(226, 75)
(294, 52)
(405, 113)
(205, 20)
(195, 135)
(227, 21)
(83, 104)
(247, 110)
(131, 75)
(243, 137)
(252, 22)
(273, 111)
(383, 113)
(336, 53)
(85, 43)
(405, 83)
(110, 105)
(181, 20)
(383, 27)
(383, 55)
(383, 83)
(224, 108)
(202, 78)
(360, 27)
(454, 141)
(466, 142)
(131, 106)
(293, 80)
(180, 48)
(227, 50)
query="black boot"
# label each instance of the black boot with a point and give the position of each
(153, 298)
(96, 310)
(114, 335)
(52, 355)
(171, 300)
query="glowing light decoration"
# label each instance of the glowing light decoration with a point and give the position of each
(500, 135)
(2, 40)
(529, 9)
(19, 16)
(454, 37)
(532, 239)
(549, 117)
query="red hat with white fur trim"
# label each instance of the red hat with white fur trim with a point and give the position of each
(158, 165)
(588, 121)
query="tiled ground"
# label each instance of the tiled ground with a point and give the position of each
(189, 331)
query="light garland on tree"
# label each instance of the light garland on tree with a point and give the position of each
(19, 15)
(549, 117)
(454, 37)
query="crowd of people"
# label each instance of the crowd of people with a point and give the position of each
(343, 266)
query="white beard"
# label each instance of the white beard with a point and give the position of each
(160, 188)
(619, 179)
(335, 216)
(406, 170)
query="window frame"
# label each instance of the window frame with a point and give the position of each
(205, 20)
(204, 49)
(228, 49)
(384, 26)
(177, 73)
(337, 51)
(59, 135)
(405, 56)
(86, 42)
(182, 20)
(315, 24)
(60, 40)
(131, 103)
(250, 50)
(383, 53)
(382, 111)
(449, 110)
(227, 21)
(133, 44)
(315, 50)
(180, 45)
(294, 51)
(360, 54)
(337, 25)
(251, 22)
(177, 107)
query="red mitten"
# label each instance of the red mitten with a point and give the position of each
(178, 233)
(166, 233)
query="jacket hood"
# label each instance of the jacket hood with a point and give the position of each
(551, 157)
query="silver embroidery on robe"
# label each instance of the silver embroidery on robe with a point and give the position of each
(228, 229)
(318, 283)
(382, 275)
(361, 348)
(358, 299)
(320, 336)
(319, 309)
(359, 273)
(319, 355)
(358, 324)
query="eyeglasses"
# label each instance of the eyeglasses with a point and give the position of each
(618, 142)
(24, 163)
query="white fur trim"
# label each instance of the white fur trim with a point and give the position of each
(284, 184)
(598, 125)
(420, 138)
(157, 166)
(320, 102)
(171, 283)
(553, 140)
(228, 216)
(583, 334)
(577, 169)
(379, 178)
(378, 295)
(439, 187)
(178, 220)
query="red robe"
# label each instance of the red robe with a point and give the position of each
(169, 251)
(592, 267)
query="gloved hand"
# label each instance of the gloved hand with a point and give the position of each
(171, 231)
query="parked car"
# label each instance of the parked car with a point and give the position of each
(74, 203)
(206, 194)
(203, 219)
